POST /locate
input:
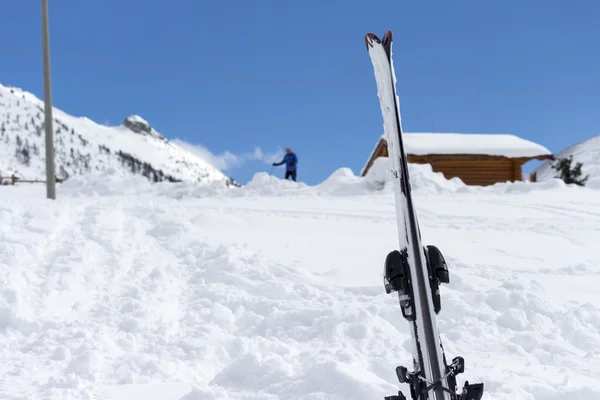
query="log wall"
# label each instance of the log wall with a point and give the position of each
(473, 170)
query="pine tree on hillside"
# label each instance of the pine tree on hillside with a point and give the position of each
(23, 155)
(570, 174)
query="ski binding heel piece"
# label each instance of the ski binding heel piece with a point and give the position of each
(397, 279)
(438, 264)
(438, 274)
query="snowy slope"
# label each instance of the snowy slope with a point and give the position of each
(123, 290)
(83, 146)
(586, 152)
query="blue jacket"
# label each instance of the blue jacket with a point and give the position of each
(290, 161)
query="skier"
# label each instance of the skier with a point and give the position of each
(290, 161)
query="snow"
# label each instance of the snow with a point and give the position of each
(586, 152)
(125, 290)
(505, 145)
(459, 143)
(83, 146)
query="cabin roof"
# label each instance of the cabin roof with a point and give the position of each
(511, 146)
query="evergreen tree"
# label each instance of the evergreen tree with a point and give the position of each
(570, 174)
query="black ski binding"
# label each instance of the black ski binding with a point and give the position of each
(397, 279)
(438, 274)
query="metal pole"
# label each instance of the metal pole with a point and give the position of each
(50, 171)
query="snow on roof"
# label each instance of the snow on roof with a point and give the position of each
(463, 143)
(469, 143)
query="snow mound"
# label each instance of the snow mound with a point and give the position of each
(586, 152)
(264, 184)
(111, 182)
(422, 178)
(343, 183)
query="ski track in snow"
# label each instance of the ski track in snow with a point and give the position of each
(280, 297)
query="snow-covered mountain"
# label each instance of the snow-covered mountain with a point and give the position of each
(586, 152)
(83, 146)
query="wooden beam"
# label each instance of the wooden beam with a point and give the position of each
(517, 172)
(380, 151)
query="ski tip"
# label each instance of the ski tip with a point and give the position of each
(371, 38)
(388, 36)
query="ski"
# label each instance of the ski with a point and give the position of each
(414, 272)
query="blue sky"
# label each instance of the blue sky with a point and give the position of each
(231, 76)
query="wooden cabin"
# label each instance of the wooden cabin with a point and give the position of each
(477, 159)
